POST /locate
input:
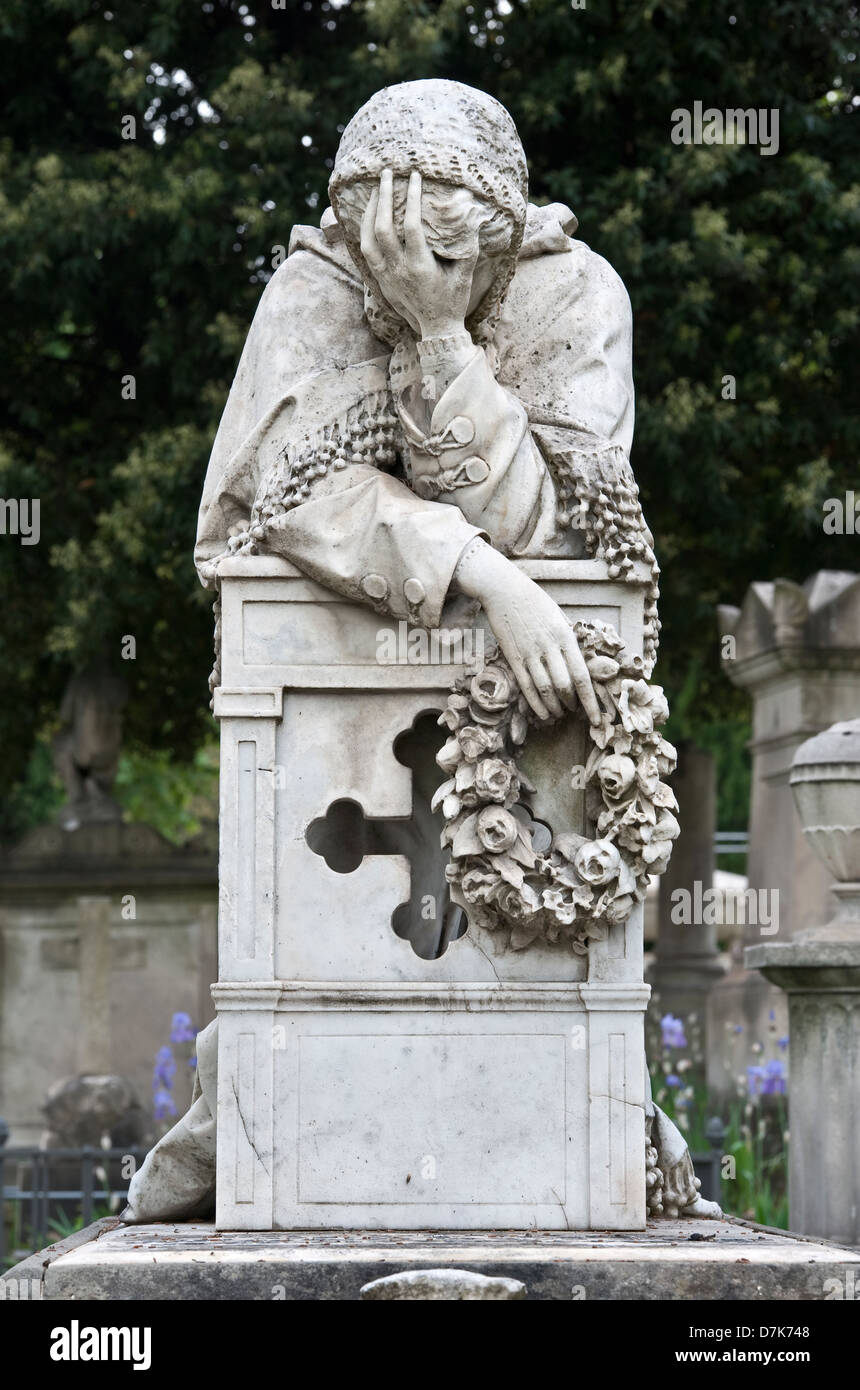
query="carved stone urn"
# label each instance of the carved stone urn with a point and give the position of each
(825, 780)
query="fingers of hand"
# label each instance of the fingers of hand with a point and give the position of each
(527, 686)
(369, 246)
(413, 231)
(582, 680)
(386, 235)
(544, 685)
(561, 677)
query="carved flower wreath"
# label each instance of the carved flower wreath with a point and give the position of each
(575, 891)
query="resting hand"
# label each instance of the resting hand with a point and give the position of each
(533, 633)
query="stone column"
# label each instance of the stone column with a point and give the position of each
(687, 961)
(820, 972)
(94, 1053)
(796, 649)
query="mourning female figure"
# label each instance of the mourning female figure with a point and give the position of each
(437, 384)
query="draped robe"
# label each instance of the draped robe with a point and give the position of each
(562, 388)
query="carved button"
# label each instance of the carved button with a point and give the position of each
(476, 469)
(460, 429)
(375, 586)
(414, 591)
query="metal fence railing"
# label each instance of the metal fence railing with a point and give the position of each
(731, 842)
(44, 1193)
(44, 1198)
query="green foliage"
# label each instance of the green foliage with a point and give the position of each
(759, 1190)
(146, 257)
(62, 1225)
(174, 798)
(726, 738)
(755, 1181)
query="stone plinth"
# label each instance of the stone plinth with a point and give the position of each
(670, 1261)
(367, 1077)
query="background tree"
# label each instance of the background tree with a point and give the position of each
(144, 257)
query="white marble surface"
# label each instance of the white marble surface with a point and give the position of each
(359, 1084)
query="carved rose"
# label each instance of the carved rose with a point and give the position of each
(494, 779)
(616, 776)
(597, 862)
(518, 903)
(497, 829)
(478, 885)
(491, 692)
(476, 741)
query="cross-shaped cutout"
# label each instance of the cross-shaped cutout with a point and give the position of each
(344, 835)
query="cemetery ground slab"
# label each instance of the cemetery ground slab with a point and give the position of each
(670, 1260)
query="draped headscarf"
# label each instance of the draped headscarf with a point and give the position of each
(449, 133)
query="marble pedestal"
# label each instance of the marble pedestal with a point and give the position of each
(361, 1084)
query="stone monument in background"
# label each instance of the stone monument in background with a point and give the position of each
(820, 971)
(796, 649)
(106, 931)
(420, 514)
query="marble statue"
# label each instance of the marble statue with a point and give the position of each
(431, 423)
(87, 746)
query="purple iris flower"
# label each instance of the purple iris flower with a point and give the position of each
(673, 1080)
(755, 1076)
(768, 1080)
(774, 1078)
(165, 1068)
(182, 1030)
(673, 1031)
(164, 1105)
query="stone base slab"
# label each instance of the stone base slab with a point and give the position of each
(671, 1260)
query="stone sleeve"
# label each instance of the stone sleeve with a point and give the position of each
(476, 452)
(367, 536)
